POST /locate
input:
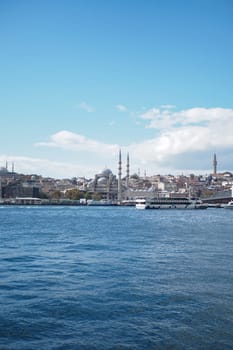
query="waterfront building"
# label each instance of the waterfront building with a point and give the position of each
(17, 188)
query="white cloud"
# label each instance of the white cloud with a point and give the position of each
(194, 131)
(86, 107)
(75, 142)
(121, 108)
(163, 119)
(174, 142)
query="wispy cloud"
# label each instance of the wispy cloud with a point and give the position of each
(112, 123)
(48, 167)
(121, 108)
(168, 106)
(85, 107)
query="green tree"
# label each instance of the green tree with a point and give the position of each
(73, 194)
(87, 195)
(96, 196)
(56, 194)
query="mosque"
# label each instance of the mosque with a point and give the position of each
(5, 173)
(108, 186)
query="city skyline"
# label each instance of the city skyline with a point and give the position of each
(81, 80)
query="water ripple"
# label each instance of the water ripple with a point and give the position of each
(115, 278)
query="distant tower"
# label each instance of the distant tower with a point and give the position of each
(13, 167)
(119, 178)
(215, 164)
(127, 171)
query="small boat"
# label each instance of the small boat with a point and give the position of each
(229, 205)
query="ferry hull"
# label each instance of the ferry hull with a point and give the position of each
(176, 207)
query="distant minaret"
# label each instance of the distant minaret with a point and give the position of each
(119, 178)
(6, 165)
(215, 164)
(13, 167)
(127, 171)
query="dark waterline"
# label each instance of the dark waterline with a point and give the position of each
(115, 278)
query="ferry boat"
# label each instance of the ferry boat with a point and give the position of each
(140, 203)
(170, 203)
(229, 205)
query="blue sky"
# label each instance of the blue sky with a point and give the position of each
(81, 79)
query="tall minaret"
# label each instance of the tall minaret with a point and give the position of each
(119, 178)
(215, 164)
(127, 171)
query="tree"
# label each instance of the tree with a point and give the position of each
(56, 194)
(96, 196)
(73, 194)
(87, 195)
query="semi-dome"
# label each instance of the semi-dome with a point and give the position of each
(102, 180)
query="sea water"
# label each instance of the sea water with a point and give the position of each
(115, 278)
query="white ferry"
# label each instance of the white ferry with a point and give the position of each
(229, 205)
(170, 203)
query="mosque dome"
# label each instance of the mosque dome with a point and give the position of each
(106, 173)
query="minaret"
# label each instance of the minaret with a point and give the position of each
(127, 171)
(119, 179)
(215, 164)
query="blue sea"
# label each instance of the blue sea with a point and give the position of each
(115, 278)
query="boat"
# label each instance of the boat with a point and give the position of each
(140, 203)
(170, 203)
(229, 205)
